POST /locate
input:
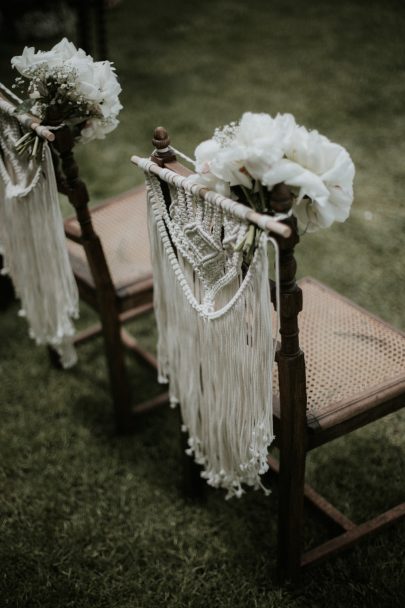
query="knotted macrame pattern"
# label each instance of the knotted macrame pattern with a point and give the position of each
(32, 242)
(214, 333)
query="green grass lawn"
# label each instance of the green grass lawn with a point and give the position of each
(90, 520)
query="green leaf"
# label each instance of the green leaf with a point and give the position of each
(25, 106)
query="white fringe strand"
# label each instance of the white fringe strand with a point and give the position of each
(32, 241)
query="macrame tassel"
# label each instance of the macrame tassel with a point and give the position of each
(218, 363)
(33, 244)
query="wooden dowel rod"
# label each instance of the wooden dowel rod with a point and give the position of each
(26, 120)
(250, 216)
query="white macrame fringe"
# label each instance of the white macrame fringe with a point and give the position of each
(33, 244)
(218, 363)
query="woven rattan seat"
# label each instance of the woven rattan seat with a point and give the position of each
(351, 357)
(120, 223)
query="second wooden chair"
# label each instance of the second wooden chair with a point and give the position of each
(109, 252)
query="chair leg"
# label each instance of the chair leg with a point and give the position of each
(290, 515)
(54, 358)
(100, 20)
(292, 467)
(7, 294)
(193, 484)
(110, 322)
(83, 25)
(115, 355)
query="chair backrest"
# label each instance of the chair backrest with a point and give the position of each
(74, 188)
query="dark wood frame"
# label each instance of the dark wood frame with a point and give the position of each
(294, 430)
(296, 438)
(87, 13)
(114, 309)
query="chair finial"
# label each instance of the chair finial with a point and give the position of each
(161, 138)
(163, 152)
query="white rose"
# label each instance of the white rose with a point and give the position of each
(64, 49)
(326, 178)
(58, 54)
(205, 153)
(109, 87)
(265, 140)
(30, 59)
(86, 81)
(230, 165)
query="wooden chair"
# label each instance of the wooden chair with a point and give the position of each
(109, 252)
(88, 13)
(352, 373)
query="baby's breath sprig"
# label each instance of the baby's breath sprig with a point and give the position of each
(225, 135)
(43, 89)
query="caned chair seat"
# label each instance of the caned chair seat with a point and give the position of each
(121, 224)
(354, 361)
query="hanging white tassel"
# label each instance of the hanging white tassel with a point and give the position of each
(218, 363)
(33, 244)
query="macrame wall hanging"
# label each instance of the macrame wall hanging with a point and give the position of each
(32, 242)
(214, 321)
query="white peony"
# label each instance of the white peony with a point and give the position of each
(109, 88)
(321, 175)
(274, 150)
(30, 59)
(60, 53)
(87, 84)
(248, 150)
(92, 86)
(264, 140)
(204, 155)
(65, 49)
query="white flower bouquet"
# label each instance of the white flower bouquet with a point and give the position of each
(66, 83)
(247, 159)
